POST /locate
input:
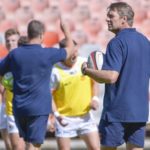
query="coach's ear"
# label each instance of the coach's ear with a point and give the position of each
(124, 20)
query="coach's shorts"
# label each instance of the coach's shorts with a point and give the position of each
(76, 126)
(11, 124)
(32, 128)
(3, 117)
(149, 114)
(115, 134)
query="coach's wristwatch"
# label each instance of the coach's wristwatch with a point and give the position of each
(84, 70)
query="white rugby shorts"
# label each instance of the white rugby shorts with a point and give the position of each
(76, 126)
(7, 121)
(3, 116)
(11, 124)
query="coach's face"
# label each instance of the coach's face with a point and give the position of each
(114, 21)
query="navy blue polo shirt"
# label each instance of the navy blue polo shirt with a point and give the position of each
(127, 100)
(31, 66)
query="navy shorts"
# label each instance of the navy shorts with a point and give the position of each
(114, 134)
(32, 128)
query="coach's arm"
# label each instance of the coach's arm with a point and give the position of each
(100, 76)
(70, 49)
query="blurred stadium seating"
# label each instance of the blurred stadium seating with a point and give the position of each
(84, 15)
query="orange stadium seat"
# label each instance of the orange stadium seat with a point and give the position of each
(10, 6)
(50, 17)
(103, 37)
(6, 24)
(50, 39)
(24, 15)
(67, 5)
(146, 29)
(80, 37)
(2, 15)
(80, 18)
(3, 51)
(54, 3)
(25, 3)
(39, 5)
(98, 5)
(83, 2)
(81, 13)
(148, 14)
(93, 25)
(140, 15)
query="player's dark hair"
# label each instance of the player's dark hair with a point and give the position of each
(123, 9)
(35, 28)
(63, 43)
(10, 32)
(23, 40)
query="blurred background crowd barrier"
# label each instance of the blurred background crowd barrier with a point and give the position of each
(86, 19)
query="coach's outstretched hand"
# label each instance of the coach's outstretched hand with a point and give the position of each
(64, 27)
(70, 47)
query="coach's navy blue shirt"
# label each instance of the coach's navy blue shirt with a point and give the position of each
(127, 100)
(31, 66)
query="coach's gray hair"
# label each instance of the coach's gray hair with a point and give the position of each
(123, 9)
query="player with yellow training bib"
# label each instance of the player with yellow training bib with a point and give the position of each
(7, 81)
(74, 95)
(8, 125)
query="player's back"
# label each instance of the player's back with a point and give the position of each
(31, 67)
(30, 64)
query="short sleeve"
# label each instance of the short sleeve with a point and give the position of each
(5, 65)
(55, 79)
(114, 56)
(57, 54)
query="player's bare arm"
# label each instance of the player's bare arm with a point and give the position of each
(57, 115)
(95, 93)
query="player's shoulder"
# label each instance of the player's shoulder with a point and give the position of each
(54, 74)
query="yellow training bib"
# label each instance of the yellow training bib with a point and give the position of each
(9, 97)
(74, 94)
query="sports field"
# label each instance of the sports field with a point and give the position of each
(76, 144)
